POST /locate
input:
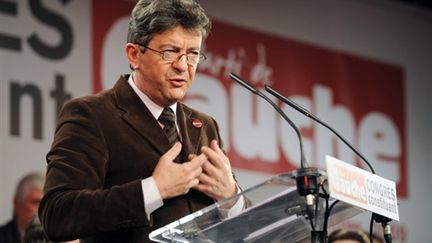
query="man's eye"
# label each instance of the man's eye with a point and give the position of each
(170, 51)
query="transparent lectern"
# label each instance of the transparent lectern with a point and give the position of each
(274, 212)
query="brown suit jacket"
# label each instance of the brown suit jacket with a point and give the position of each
(104, 145)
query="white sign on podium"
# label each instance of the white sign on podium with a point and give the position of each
(361, 188)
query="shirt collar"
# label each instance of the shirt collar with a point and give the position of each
(154, 108)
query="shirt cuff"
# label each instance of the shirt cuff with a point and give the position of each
(151, 196)
(237, 208)
(231, 209)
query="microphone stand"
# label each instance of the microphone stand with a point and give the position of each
(306, 177)
(378, 218)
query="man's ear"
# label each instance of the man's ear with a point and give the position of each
(132, 53)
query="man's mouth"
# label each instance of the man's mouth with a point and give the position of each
(178, 82)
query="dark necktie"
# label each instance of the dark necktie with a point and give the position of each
(167, 118)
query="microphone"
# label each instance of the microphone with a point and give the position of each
(378, 218)
(306, 177)
(308, 114)
(243, 83)
(384, 221)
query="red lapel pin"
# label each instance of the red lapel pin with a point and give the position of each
(197, 123)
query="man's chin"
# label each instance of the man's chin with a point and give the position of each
(175, 98)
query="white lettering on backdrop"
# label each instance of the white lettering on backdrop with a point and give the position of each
(245, 119)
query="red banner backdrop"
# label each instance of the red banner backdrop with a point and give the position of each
(364, 97)
(358, 89)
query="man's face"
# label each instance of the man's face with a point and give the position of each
(27, 207)
(167, 82)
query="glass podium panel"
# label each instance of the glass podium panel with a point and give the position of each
(273, 211)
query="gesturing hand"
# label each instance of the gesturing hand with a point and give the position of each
(216, 179)
(173, 179)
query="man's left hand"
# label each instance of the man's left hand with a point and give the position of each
(216, 180)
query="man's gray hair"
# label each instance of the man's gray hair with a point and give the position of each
(33, 180)
(150, 17)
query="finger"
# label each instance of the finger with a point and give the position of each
(215, 146)
(200, 159)
(214, 157)
(192, 156)
(196, 163)
(173, 152)
(196, 172)
(206, 180)
(209, 168)
(204, 188)
(193, 183)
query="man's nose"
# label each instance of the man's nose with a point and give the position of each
(181, 63)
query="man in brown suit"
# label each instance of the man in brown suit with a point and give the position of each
(121, 163)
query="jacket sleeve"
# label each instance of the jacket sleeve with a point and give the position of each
(76, 204)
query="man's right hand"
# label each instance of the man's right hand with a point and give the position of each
(174, 179)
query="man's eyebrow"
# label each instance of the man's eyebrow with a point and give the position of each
(174, 47)
(169, 46)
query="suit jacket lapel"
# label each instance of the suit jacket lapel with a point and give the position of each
(190, 134)
(137, 115)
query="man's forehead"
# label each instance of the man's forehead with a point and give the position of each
(178, 35)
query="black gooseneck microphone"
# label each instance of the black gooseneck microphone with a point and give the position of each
(307, 177)
(308, 114)
(378, 218)
(243, 83)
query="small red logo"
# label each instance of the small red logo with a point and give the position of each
(197, 123)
